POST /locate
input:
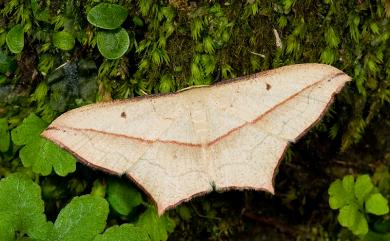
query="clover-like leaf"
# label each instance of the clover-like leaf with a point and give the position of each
(363, 187)
(157, 227)
(113, 44)
(107, 15)
(125, 232)
(29, 130)
(352, 218)
(43, 155)
(4, 135)
(377, 204)
(21, 209)
(337, 195)
(63, 40)
(40, 154)
(351, 197)
(82, 219)
(122, 196)
(360, 226)
(348, 184)
(341, 192)
(15, 39)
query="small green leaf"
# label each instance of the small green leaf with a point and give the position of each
(38, 153)
(42, 155)
(363, 187)
(347, 215)
(21, 209)
(352, 218)
(360, 227)
(107, 16)
(4, 135)
(348, 184)
(113, 44)
(157, 227)
(63, 40)
(122, 196)
(336, 192)
(377, 204)
(29, 130)
(15, 39)
(125, 232)
(82, 219)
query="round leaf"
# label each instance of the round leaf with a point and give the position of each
(363, 187)
(82, 219)
(21, 208)
(337, 195)
(107, 16)
(29, 130)
(113, 44)
(15, 39)
(63, 40)
(353, 219)
(348, 183)
(377, 204)
(43, 156)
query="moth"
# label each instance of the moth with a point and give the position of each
(231, 135)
